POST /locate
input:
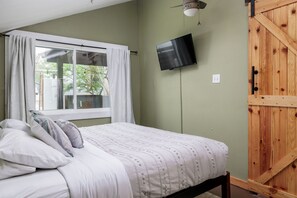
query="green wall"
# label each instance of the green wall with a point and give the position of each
(116, 24)
(217, 111)
(91, 122)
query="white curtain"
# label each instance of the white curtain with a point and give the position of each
(119, 78)
(19, 77)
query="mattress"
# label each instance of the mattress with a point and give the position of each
(158, 162)
(43, 183)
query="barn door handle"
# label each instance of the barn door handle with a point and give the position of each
(254, 72)
(252, 6)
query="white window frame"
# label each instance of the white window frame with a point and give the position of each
(74, 114)
(71, 114)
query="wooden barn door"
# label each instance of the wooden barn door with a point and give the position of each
(273, 97)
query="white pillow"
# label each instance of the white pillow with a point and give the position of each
(41, 134)
(21, 148)
(9, 169)
(15, 124)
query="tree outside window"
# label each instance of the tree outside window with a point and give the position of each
(56, 77)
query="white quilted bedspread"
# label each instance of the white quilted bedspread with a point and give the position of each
(159, 162)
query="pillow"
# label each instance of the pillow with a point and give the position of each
(19, 147)
(9, 169)
(72, 132)
(35, 113)
(16, 124)
(38, 132)
(56, 132)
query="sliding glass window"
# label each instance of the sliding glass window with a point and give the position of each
(70, 79)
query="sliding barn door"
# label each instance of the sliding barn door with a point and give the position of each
(273, 98)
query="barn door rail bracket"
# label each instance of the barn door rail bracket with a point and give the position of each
(254, 72)
(252, 6)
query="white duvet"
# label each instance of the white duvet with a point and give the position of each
(94, 173)
(159, 162)
(43, 183)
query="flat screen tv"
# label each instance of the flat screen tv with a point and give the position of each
(177, 53)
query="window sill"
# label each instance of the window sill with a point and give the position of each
(79, 114)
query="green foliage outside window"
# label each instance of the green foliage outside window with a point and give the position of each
(89, 79)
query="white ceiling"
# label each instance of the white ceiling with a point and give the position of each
(19, 13)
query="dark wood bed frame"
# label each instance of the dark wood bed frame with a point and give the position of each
(223, 181)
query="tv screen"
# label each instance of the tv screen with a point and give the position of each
(177, 53)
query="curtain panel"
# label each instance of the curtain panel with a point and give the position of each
(119, 78)
(19, 77)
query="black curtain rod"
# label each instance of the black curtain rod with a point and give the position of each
(133, 52)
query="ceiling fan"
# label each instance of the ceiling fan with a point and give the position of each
(191, 7)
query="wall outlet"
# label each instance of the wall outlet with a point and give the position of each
(216, 78)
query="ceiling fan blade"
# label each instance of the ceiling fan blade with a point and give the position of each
(201, 4)
(177, 6)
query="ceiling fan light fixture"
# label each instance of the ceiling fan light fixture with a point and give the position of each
(190, 12)
(190, 7)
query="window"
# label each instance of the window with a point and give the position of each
(67, 78)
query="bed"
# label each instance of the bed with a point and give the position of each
(147, 162)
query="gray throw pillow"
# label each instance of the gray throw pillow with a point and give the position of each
(35, 113)
(55, 131)
(72, 132)
(41, 134)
